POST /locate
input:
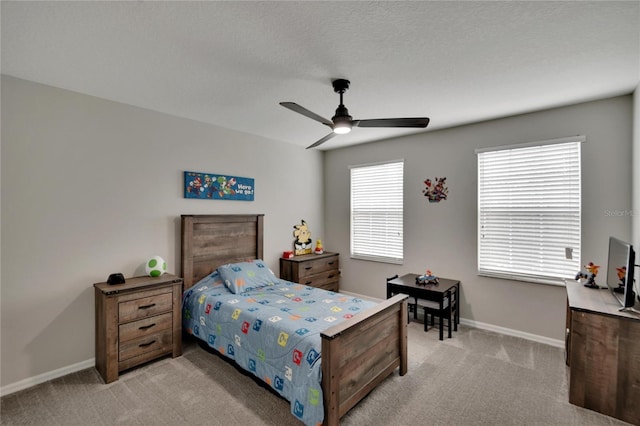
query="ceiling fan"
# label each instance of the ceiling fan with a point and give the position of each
(341, 123)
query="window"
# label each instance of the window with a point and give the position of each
(529, 211)
(376, 211)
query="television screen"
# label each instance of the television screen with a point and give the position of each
(620, 266)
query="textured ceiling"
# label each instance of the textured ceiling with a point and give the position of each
(231, 63)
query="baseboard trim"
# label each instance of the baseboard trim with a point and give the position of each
(361, 296)
(41, 378)
(511, 332)
(489, 327)
(50, 375)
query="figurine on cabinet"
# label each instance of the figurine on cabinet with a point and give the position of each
(592, 268)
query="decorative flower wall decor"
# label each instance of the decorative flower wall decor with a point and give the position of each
(436, 190)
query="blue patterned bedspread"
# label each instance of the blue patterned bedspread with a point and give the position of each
(272, 332)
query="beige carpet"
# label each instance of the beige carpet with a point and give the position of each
(476, 378)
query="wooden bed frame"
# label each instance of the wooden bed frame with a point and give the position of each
(357, 354)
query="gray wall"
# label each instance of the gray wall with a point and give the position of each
(442, 236)
(91, 187)
(636, 181)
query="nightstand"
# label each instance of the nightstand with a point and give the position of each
(137, 322)
(315, 270)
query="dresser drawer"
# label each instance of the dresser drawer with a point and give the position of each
(320, 280)
(145, 327)
(144, 307)
(314, 270)
(313, 267)
(329, 286)
(157, 342)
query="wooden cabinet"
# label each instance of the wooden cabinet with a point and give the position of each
(316, 270)
(603, 353)
(137, 322)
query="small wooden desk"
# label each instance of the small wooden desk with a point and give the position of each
(438, 293)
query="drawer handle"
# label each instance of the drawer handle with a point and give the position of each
(144, 345)
(147, 306)
(330, 276)
(145, 327)
(308, 283)
(308, 267)
(330, 263)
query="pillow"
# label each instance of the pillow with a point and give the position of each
(212, 280)
(244, 276)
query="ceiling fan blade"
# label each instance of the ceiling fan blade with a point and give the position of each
(302, 110)
(393, 122)
(321, 141)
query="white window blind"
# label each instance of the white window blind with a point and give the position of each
(529, 211)
(377, 212)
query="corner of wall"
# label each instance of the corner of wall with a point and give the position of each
(635, 172)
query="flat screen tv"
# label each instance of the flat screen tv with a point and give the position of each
(620, 266)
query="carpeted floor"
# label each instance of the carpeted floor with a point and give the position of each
(475, 378)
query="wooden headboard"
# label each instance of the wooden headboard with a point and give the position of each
(209, 241)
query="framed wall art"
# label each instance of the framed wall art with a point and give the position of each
(436, 190)
(214, 186)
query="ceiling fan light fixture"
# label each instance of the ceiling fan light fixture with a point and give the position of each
(342, 127)
(342, 120)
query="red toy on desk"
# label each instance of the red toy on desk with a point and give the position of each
(427, 278)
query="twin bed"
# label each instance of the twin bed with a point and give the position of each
(322, 351)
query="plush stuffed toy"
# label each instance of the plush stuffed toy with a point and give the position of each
(302, 243)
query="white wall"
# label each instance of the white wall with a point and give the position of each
(91, 187)
(442, 236)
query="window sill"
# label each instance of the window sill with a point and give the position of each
(529, 279)
(379, 259)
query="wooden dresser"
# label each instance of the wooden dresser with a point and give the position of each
(316, 270)
(136, 322)
(603, 353)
